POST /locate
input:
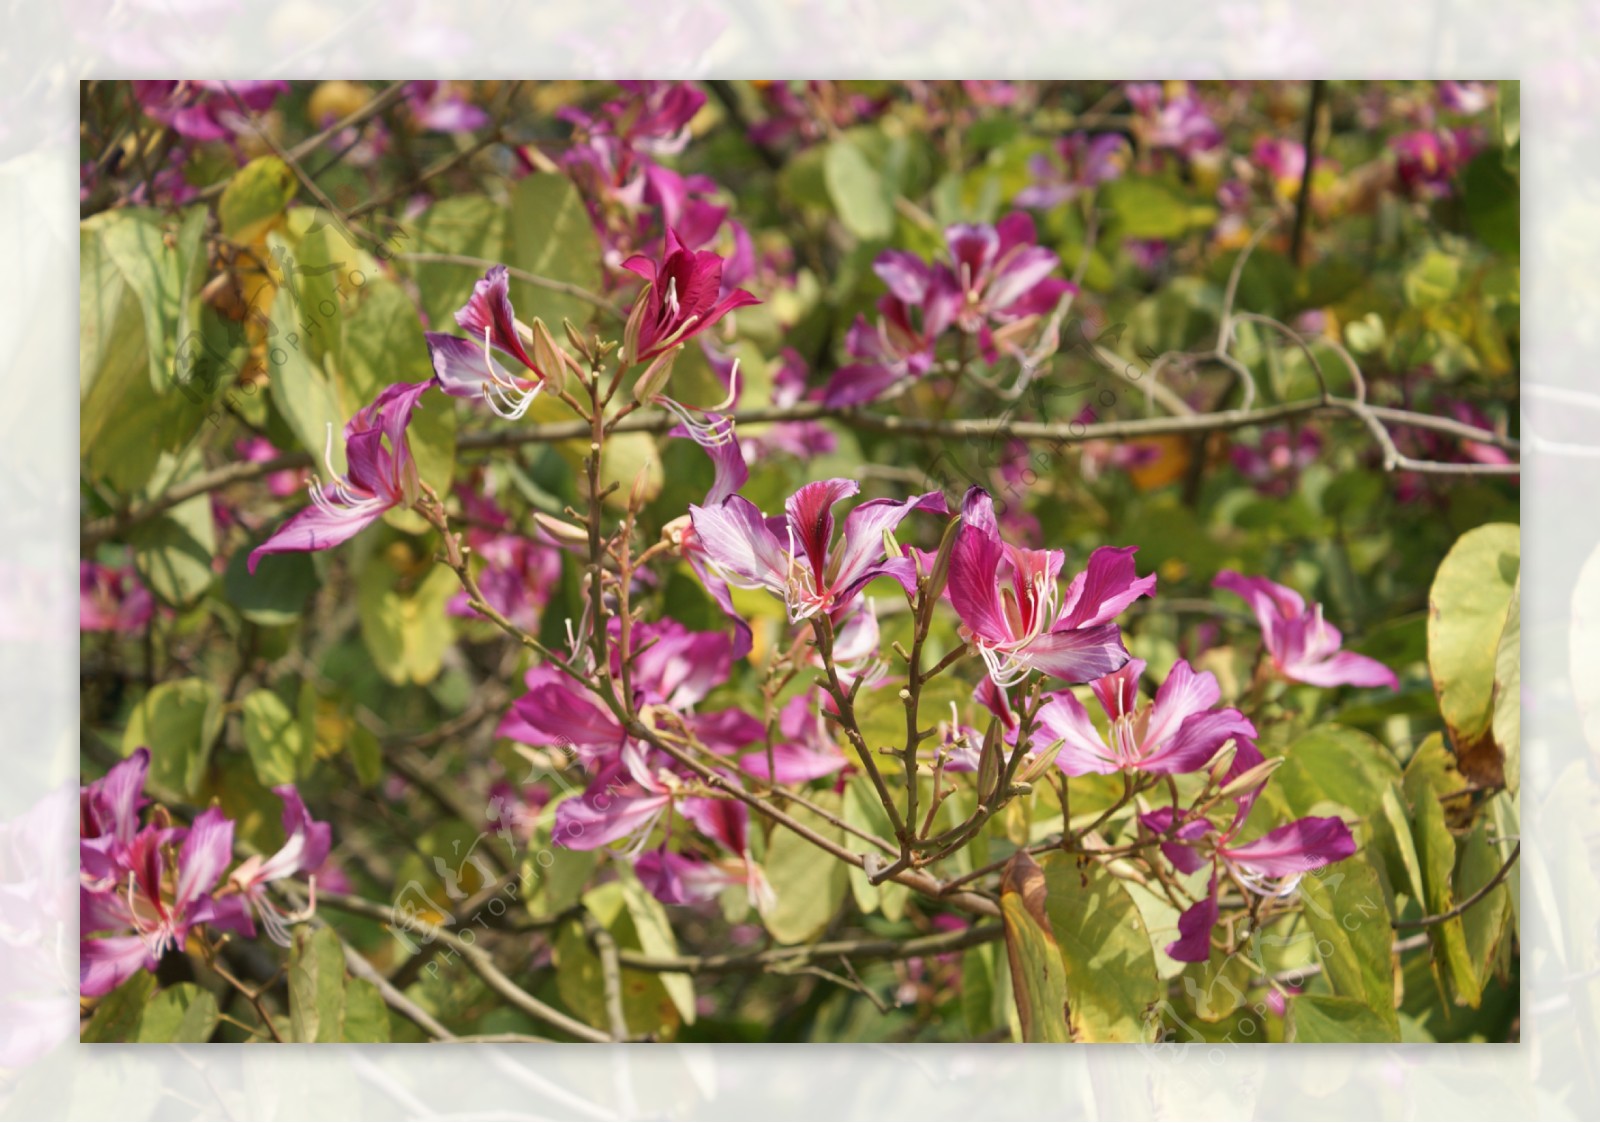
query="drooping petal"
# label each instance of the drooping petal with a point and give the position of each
(604, 814)
(726, 731)
(461, 367)
(1345, 668)
(105, 964)
(1193, 944)
(794, 763)
(1083, 751)
(553, 714)
(1270, 601)
(859, 383)
(1298, 847)
(318, 529)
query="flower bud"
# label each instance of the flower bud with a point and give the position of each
(655, 377)
(563, 532)
(1254, 778)
(630, 334)
(551, 360)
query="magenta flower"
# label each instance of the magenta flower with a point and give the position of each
(108, 820)
(466, 368)
(1271, 865)
(381, 477)
(1078, 163)
(680, 301)
(1427, 162)
(996, 275)
(205, 110)
(899, 347)
(439, 106)
(807, 752)
(793, 556)
(1013, 613)
(161, 897)
(1276, 461)
(1303, 646)
(1179, 731)
(304, 850)
(1175, 120)
(674, 669)
(111, 599)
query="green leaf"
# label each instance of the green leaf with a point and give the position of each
(303, 394)
(863, 810)
(316, 986)
(1467, 614)
(403, 620)
(1144, 208)
(467, 225)
(135, 295)
(1485, 922)
(1110, 965)
(1333, 1019)
(552, 237)
(1346, 911)
(1433, 280)
(382, 344)
(1038, 977)
(1436, 854)
(178, 721)
(1506, 723)
(276, 739)
(1491, 199)
(256, 197)
(366, 754)
(366, 1017)
(647, 1006)
(656, 940)
(173, 551)
(1332, 762)
(276, 593)
(116, 1016)
(979, 991)
(857, 189)
(182, 1013)
(1393, 836)
(808, 884)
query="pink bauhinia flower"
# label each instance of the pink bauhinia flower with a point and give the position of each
(382, 476)
(1178, 731)
(206, 110)
(1302, 645)
(794, 555)
(1271, 865)
(468, 368)
(680, 301)
(111, 599)
(1012, 611)
(305, 849)
(160, 897)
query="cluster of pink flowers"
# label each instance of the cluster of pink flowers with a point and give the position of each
(1015, 612)
(146, 883)
(993, 287)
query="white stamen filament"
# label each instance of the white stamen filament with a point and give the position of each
(348, 499)
(505, 396)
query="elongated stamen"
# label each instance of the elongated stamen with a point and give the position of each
(1265, 886)
(671, 297)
